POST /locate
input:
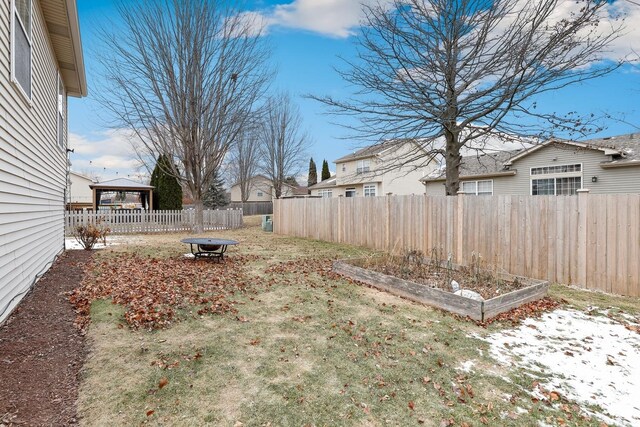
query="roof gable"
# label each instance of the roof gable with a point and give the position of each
(373, 150)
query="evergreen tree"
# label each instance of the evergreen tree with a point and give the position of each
(313, 174)
(215, 196)
(167, 194)
(325, 171)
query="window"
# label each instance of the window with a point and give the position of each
(61, 128)
(369, 190)
(350, 192)
(560, 180)
(362, 166)
(259, 193)
(21, 45)
(478, 188)
(556, 169)
(325, 193)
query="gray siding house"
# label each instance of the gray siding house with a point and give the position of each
(556, 167)
(41, 64)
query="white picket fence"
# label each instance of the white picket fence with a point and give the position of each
(140, 222)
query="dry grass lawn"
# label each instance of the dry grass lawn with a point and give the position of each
(306, 349)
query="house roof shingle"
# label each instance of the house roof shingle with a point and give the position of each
(370, 151)
(628, 147)
(327, 183)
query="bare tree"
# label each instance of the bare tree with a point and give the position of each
(244, 159)
(452, 74)
(183, 76)
(283, 144)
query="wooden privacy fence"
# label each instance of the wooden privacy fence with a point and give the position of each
(253, 208)
(592, 241)
(134, 222)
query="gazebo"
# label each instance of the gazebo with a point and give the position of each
(123, 185)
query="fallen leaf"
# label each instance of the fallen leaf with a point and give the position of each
(411, 405)
(163, 382)
(150, 412)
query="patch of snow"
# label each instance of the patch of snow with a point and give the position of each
(591, 360)
(70, 243)
(467, 366)
(466, 293)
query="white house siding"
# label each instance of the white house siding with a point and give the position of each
(259, 185)
(403, 182)
(32, 166)
(79, 191)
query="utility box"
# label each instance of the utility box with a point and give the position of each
(267, 222)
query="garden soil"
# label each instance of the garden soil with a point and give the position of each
(42, 351)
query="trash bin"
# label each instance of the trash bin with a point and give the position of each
(267, 222)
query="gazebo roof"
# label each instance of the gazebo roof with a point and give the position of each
(121, 184)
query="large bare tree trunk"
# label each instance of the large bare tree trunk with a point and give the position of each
(452, 163)
(198, 226)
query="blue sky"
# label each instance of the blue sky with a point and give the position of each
(307, 36)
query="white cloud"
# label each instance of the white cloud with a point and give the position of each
(105, 155)
(341, 18)
(336, 18)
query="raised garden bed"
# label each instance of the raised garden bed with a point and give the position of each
(430, 283)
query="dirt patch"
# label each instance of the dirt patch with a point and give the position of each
(413, 268)
(41, 351)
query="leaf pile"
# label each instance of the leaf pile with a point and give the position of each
(153, 290)
(530, 309)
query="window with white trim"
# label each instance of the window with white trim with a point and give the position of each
(61, 108)
(363, 166)
(325, 193)
(350, 192)
(369, 190)
(557, 180)
(259, 193)
(478, 188)
(21, 45)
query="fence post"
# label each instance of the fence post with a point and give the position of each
(340, 220)
(583, 206)
(459, 229)
(388, 223)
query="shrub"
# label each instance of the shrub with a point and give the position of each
(89, 235)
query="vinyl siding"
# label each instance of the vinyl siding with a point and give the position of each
(259, 184)
(621, 180)
(388, 172)
(610, 181)
(32, 166)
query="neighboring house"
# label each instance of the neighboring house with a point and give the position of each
(79, 193)
(556, 167)
(391, 167)
(41, 64)
(261, 190)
